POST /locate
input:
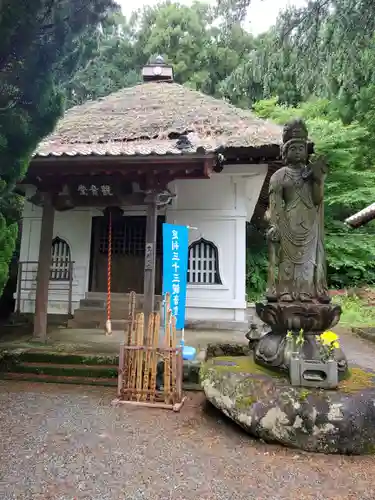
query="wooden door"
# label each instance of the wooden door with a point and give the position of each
(128, 249)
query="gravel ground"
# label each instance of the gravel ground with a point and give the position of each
(67, 442)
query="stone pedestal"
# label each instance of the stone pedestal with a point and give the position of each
(273, 350)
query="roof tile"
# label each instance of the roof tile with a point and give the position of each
(148, 119)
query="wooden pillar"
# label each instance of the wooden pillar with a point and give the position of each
(150, 259)
(43, 272)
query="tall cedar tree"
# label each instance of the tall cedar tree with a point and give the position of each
(40, 49)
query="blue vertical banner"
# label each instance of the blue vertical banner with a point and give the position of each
(175, 268)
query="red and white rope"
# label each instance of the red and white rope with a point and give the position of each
(109, 275)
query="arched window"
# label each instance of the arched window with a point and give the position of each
(203, 266)
(60, 260)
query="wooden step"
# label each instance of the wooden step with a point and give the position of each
(62, 358)
(92, 303)
(78, 368)
(117, 297)
(92, 314)
(87, 324)
(95, 314)
(118, 324)
(58, 379)
(69, 370)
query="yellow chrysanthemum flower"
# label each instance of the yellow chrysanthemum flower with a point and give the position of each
(330, 338)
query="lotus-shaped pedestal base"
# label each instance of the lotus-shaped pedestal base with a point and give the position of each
(273, 350)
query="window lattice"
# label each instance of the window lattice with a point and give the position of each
(128, 237)
(203, 263)
(60, 260)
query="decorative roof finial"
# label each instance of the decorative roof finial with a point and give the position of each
(159, 59)
(157, 70)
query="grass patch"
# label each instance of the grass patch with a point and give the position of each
(358, 380)
(303, 395)
(239, 364)
(355, 311)
(61, 358)
(67, 358)
(243, 402)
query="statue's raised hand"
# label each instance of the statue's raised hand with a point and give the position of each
(319, 169)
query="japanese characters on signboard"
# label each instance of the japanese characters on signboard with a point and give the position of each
(175, 263)
(94, 190)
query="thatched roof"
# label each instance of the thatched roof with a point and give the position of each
(150, 117)
(362, 217)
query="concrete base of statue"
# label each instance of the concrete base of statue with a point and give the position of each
(269, 408)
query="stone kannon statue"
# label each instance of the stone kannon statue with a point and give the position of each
(297, 223)
(297, 294)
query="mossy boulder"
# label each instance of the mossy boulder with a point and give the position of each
(268, 407)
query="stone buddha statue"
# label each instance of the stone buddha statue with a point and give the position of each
(297, 268)
(297, 294)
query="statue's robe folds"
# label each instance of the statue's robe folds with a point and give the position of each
(296, 212)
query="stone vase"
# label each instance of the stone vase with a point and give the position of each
(313, 373)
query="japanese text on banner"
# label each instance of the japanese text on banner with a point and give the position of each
(175, 298)
(175, 256)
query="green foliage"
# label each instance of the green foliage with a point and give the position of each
(203, 45)
(256, 274)
(108, 62)
(349, 187)
(333, 41)
(256, 263)
(265, 72)
(318, 60)
(40, 48)
(355, 312)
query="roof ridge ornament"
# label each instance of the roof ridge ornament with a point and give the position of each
(157, 70)
(159, 60)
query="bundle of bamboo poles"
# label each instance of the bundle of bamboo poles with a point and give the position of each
(150, 374)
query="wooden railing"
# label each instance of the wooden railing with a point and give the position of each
(60, 282)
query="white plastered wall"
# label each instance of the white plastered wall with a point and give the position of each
(218, 207)
(74, 227)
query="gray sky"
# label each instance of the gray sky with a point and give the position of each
(262, 13)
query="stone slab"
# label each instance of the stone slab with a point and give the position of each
(269, 408)
(367, 333)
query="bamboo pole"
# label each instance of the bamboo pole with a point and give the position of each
(143, 352)
(128, 339)
(176, 407)
(173, 356)
(131, 318)
(121, 370)
(147, 355)
(167, 358)
(154, 355)
(133, 358)
(139, 354)
(179, 374)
